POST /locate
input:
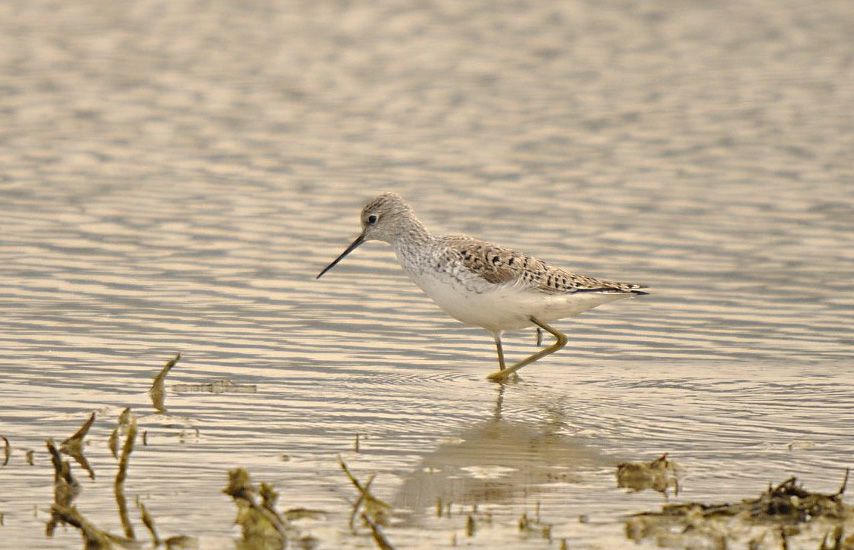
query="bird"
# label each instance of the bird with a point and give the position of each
(482, 284)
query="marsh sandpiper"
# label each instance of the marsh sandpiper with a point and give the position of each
(481, 284)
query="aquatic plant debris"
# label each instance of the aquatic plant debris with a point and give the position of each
(158, 388)
(73, 446)
(65, 487)
(121, 475)
(837, 539)
(177, 541)
(8, 450)
(770, 520)
(292, 514)
(377, 533)
(148, 521)
(261, 526)
(374, 512)
(113, 443)
(658, 475)
(93, 537)
(124, 421)
(371, 506)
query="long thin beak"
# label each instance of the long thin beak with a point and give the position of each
(359, 240)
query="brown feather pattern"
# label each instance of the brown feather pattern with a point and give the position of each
(499, 265)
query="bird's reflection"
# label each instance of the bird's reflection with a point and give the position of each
(494, 460)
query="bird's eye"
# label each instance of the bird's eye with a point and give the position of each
(372, 219)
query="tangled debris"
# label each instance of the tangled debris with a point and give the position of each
(778, 514)
(373, 511)
(261, 526)
(658, 475)
(66, 489)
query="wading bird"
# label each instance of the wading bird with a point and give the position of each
(481, 284)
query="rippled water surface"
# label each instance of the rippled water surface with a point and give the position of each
(174, 174)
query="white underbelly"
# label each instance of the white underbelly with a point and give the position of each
(504, 307)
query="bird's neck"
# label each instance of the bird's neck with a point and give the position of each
(413, 240)
(413, 233)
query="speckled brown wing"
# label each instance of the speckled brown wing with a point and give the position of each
(498, 265)
(493, 263)
(556, 279)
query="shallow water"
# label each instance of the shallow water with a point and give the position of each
(175, 174)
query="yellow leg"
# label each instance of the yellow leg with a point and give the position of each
(502, 374)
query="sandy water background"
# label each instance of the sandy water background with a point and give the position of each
(173, 175)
